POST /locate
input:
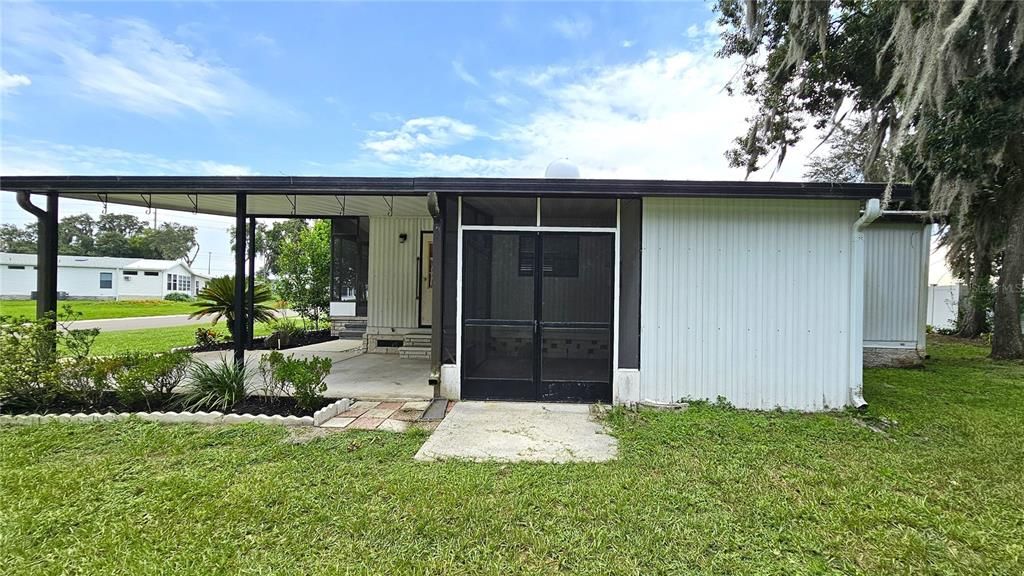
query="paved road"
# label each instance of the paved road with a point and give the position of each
(142, 322)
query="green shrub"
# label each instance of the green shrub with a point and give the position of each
(178, 297)
(206, 337)
(29, 373)
(34, 359)
(217, 387)
(304, 379)
(86, 380)
(272, 387)
(152, 379)
(282, 332)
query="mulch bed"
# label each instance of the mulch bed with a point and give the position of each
(260, 343)
(109, 403)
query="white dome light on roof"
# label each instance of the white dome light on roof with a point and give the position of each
(562, 168)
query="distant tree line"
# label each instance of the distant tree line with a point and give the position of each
(270, 240)
(297, 254)
(118, 235)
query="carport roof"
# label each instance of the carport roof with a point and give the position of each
(329, 195)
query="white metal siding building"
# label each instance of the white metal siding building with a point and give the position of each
(582, 290)
(394, 290)
(747, 300)
(896, 292)
(100, 277)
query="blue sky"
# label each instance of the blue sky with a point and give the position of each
(334, 88)
(371, 89)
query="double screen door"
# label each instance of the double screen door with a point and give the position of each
(537, 315)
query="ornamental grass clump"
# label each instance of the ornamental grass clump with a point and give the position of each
(217, 386)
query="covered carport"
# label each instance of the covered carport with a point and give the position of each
(245, 198)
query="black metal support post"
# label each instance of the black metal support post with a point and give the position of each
(239, 303)
(251, 300)
(46, 252)
(437, 293)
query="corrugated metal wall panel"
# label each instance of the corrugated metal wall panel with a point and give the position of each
(747, 300)
(893, 264)
(391, 286)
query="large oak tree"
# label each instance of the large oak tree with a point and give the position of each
(940, 89)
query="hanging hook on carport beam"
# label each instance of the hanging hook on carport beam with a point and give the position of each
(104, 199)
(341, 202)
(294, 201)
(391, 205)
(148, 203)
(195, 203)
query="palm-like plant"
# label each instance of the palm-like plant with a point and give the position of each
(217, 299)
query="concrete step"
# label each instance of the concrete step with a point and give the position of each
(416, 340)
(414, 352)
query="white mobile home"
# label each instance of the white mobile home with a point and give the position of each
(100, 277)
(574, 290)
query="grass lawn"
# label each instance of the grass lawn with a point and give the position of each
(156, 339)
(100, 309)
(708, 491)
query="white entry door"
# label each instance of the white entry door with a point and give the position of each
(426, 282)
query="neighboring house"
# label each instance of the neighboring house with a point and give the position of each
(577, 290)
(101, 277)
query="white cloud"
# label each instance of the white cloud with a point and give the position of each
(628, 43)
(665, 116)
(419, 134)
(261, 39)
(534, 78)
(710, 28)
(40, 158)
(463, 74)
(9, 83)
(131, 65)
(574, 28)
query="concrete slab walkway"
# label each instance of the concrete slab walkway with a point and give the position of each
(519, 432)
(354, 374)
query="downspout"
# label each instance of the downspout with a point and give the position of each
(24, 200)
(46, 254)
(872, 210)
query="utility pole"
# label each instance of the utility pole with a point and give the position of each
(209, 258)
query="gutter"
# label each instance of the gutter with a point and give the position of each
(872, 210)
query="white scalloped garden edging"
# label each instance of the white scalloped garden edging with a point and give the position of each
(162, 417)
(331, 410)
(318, 418)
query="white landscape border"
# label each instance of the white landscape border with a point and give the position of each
(316, 420)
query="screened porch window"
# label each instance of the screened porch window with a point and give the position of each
(350, 260)
(561, 257)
